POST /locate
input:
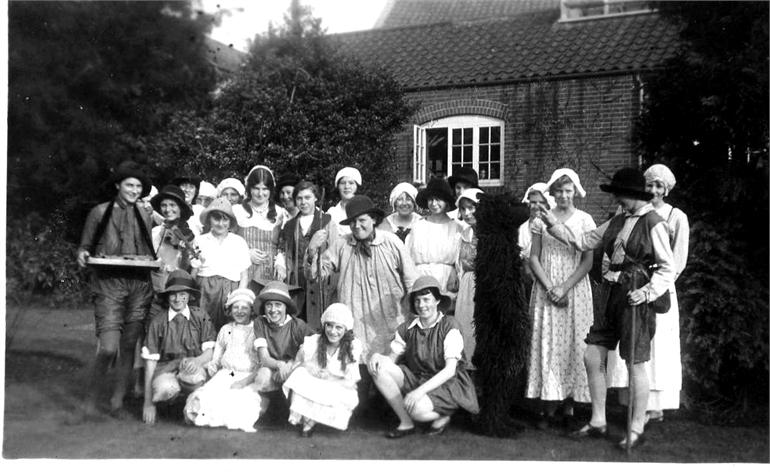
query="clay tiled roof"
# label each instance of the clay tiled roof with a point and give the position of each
(398, 13)
(525, 47)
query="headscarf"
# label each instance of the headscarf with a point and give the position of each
(471, 194)
(542, 188)
(572, 176)
(232, 183)
(403, 187)
(662, 173)
(240, 295)
(338, 313)
(206, 189)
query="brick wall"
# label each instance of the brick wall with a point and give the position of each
(584, 124)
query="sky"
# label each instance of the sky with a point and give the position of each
(251, 17)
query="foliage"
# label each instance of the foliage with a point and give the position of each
(41, 264)
(90, 83)
(297, 106)
(705, 116)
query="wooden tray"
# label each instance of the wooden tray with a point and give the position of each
(123, 262)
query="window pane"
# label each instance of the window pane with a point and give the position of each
(467, 135)
(468, 153)
(457, 156)
(495, 134)
(437, 150)
(495, 152)
(483, 172)
(483, 135)
(494, 171)
(483, 154)
(456, 136)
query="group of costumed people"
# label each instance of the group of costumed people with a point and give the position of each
(259, 292)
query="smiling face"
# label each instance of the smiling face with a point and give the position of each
(170, 209)
(285, 196)
(362, 226)
(241, 312)
(536, 199)
(658, 190)
(231, 195)
(178, 300)
(404, 204)
(334, 332)
(275, 311)
(347, 188)
(189, 192)
(468, 211)
(436, 206)
(129, 190)
(219, 222)
(306, 201)
(564, 195)
(426, 306)
(260, 194)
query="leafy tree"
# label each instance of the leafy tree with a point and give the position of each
(90, 83)
(706, 117)
(296, 106)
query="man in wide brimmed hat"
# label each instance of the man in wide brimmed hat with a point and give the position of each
(179, 342)
(637, 244)
(375, 273)
(122, 295)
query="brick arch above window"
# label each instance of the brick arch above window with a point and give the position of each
(464, 106)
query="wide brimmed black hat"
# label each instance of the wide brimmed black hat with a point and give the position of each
(180, 281)
(287, 179)
(196, 181)
(172, 192)
(628, 182)
(128, 169)
(428, 281)
(359, 205)
(464, 174)
(436, 188)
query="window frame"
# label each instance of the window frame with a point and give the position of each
(458, 122)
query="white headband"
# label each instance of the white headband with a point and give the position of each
(471, 194)
(403, 187)
(350, 172)
(232, 183)
(206, 189)
(338, 313)
(662, 173)
(542, 188)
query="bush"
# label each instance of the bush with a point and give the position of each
(724, 312)
(40, 263)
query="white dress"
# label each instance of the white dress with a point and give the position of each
(664, 369)
(216, 404)
(557, 346)
(434, 248)
(328, 400)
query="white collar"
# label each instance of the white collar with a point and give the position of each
(185, 313)
(285, 320)
(416, 322)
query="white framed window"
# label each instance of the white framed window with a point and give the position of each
(443, 146)
(575, 10)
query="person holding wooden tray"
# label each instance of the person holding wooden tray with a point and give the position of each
(118, 231)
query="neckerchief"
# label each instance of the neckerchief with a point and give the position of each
(363, 246)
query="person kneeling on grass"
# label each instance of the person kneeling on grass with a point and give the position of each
(322, 387)
(179, 343)
(424, 378)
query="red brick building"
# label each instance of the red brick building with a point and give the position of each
(516, 89)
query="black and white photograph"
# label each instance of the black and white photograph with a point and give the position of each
(513, 232)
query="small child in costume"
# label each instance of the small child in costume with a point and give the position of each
(322, 387)
(230, 399)
(178, 345)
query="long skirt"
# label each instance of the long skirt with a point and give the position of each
(464, 308)
(326, 401)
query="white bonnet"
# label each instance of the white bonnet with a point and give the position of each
(349, 172)
(662, 173)
(232, 183)
(240, 295)
(338, 313)
(403, 187)
(471, 194)
(542, 188)
(572, 176)
(206, 189)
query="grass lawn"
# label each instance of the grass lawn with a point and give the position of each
(46, 374)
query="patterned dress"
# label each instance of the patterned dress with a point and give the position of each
(556, 369)
(216, 403)
(261, 234)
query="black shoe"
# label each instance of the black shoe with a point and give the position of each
(589, 431)
(400, 433)
(437, 431)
